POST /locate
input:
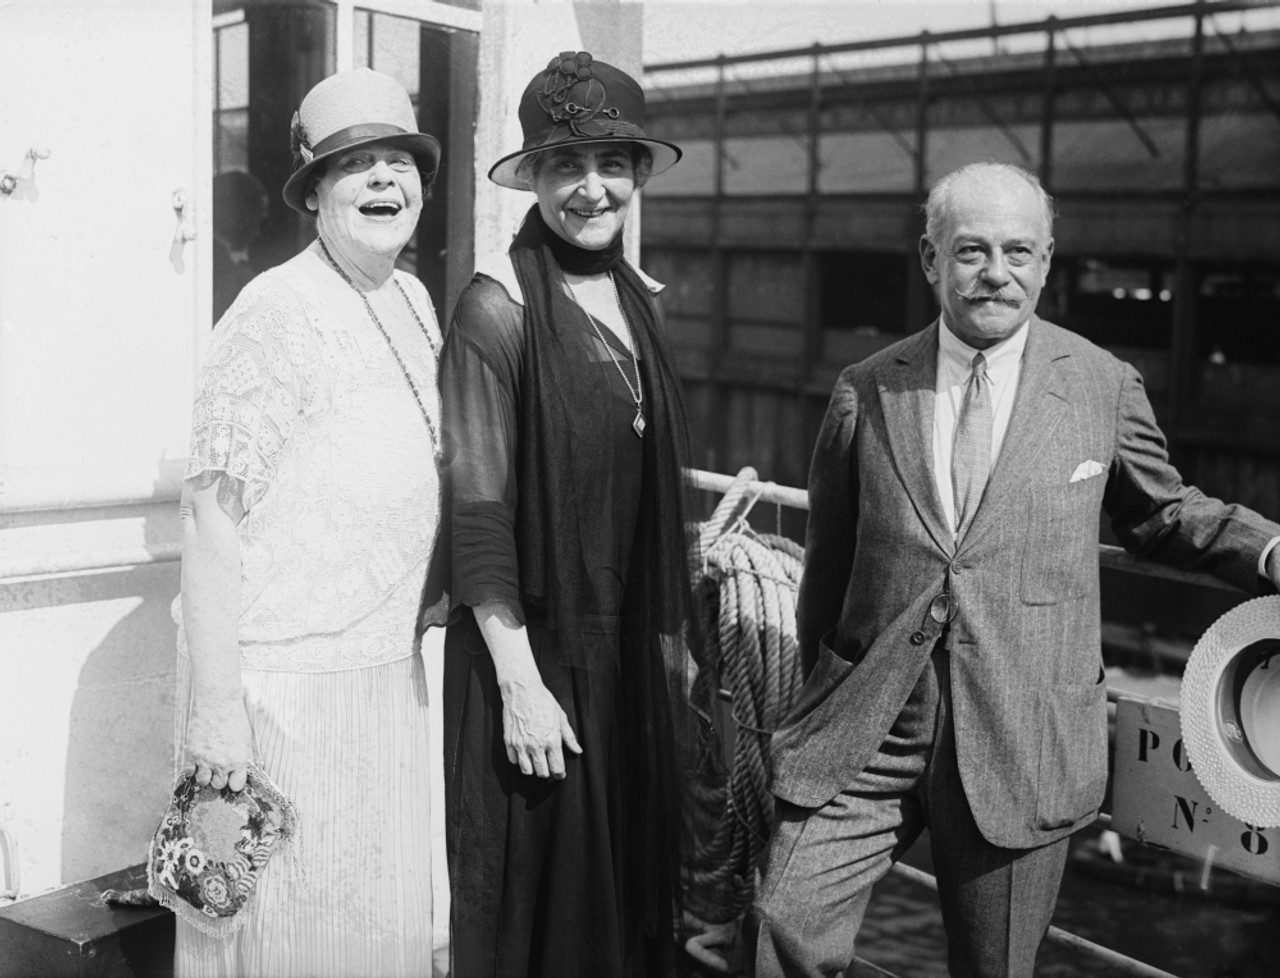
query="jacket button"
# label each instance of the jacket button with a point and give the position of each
(917, 638)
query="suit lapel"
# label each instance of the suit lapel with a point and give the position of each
(906, 385)
(1037, 408)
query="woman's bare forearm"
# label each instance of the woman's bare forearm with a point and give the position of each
(211, 587)
(508, 644)
(218, 737)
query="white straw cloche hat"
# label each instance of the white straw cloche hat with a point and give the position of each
(350, 109)
(1230, 706)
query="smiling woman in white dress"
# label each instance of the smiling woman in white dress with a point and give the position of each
(310, 509)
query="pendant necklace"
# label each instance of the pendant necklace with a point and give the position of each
(637, 391)
(435, 354)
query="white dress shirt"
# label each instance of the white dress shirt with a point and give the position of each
(955, 364)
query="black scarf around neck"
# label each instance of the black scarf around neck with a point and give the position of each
(575, 260)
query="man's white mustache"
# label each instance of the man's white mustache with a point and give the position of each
(975, 295)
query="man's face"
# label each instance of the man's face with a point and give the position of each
(991, 258)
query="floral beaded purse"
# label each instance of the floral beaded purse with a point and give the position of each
(212, 847)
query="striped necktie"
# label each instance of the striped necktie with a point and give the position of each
(971, 456)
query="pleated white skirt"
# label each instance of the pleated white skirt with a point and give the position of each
(352, 751)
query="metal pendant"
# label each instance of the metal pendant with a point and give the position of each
(638, 424)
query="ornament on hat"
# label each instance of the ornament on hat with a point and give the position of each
(572, 95)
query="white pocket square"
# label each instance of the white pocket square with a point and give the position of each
(1086, 470)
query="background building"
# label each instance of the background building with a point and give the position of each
(789, 232)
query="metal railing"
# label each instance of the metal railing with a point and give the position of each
(986, 32)
(66, 562)
(1114, 558)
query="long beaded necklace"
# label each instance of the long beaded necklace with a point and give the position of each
(435, 354)
(637, 391)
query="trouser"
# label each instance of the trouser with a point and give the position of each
(820, 865)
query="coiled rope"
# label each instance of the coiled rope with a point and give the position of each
(751, 580)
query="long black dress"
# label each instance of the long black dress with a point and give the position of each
(537, 867)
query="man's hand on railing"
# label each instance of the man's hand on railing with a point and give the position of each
(715, 946)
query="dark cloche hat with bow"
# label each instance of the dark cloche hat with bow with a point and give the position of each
(578, 99)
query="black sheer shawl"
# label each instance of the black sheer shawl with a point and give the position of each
(544, 508)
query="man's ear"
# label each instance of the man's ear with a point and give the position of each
(1048, 259)
(929, 259)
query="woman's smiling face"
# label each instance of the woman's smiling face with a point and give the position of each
(584, 191)
(368, 201)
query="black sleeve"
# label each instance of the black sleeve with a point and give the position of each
(480, 375)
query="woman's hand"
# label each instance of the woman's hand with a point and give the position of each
(219, 740)
(535, 729)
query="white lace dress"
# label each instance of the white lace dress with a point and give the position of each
(301, 399)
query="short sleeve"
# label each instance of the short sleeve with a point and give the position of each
(251, 388)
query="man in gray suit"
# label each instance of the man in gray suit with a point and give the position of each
(948, 612)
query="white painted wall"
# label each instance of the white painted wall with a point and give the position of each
(98, 343)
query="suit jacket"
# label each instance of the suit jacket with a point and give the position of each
(1029, 700)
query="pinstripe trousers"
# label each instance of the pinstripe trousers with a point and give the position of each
(820, 865)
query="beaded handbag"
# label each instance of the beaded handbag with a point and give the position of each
(212, 847)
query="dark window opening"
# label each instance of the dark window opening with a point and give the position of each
(1238, 314)
(863, 291)
(1113, 303)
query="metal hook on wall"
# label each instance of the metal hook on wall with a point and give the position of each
(26, 170)
(185, 231)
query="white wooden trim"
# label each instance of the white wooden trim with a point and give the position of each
(427, 11)
(29, 490)
(202, 190)
(63, 563)
(344, 36)
(423, 11)
(228, 19)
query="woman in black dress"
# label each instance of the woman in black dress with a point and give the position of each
(570, 730)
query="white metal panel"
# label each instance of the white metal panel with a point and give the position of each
(97, 299)
(103, 314)
(1158, 800)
